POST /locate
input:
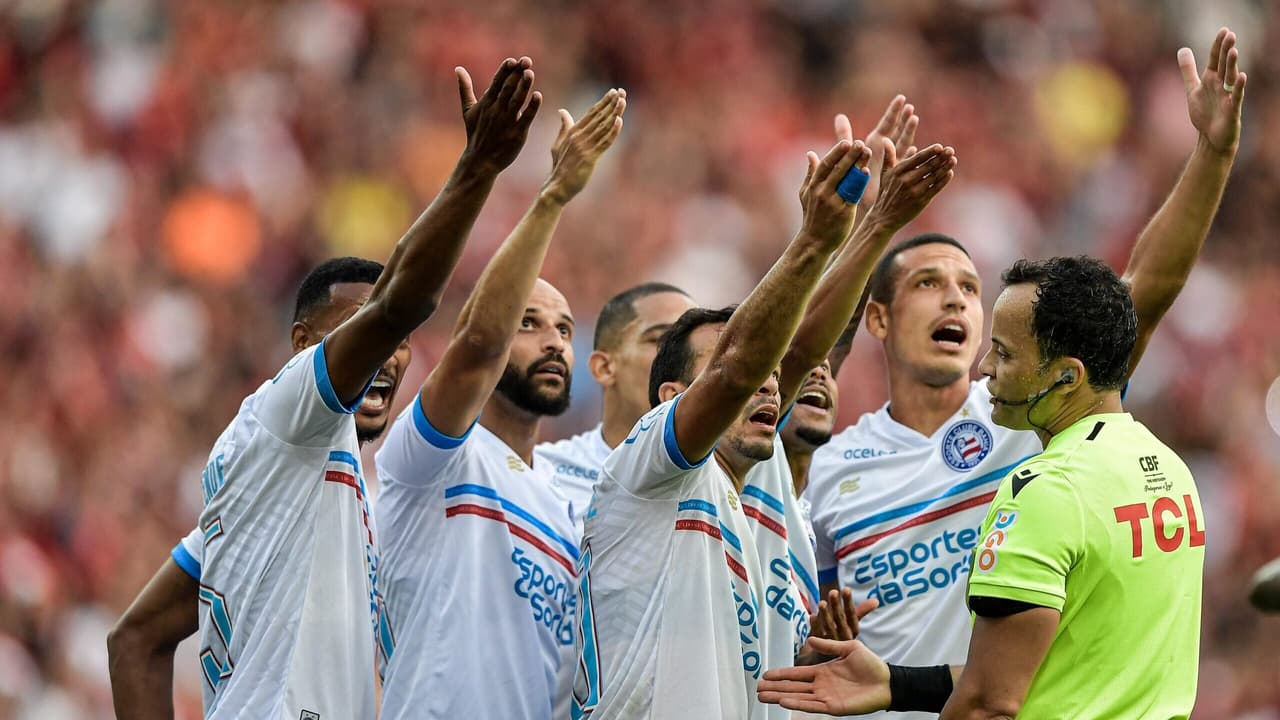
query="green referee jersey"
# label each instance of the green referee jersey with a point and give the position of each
(1106, 527)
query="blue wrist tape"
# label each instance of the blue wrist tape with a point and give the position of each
(853, 184)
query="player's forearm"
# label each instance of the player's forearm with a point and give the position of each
(141, 678)
(844, 344)
(1169, 245)
(424, 258)
(762, 327)
(492, 314)
(835, 300)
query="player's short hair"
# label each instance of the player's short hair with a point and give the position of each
(318, 284)
(620, 310)
(1082, 310)
(674, 361)
(885, 277)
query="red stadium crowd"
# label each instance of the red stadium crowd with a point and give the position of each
(169, 170)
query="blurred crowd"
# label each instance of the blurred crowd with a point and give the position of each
(168, 170)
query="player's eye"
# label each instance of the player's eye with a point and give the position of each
(970, 288)
(927, 282)
(526, 323)
(566, 331)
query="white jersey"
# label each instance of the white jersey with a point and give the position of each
(288, 573)
(188, 553)
(788, 568)
(670, 586)
(897, 514)
(576, 463)
(479, 553)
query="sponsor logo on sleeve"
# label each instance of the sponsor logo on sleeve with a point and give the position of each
(965, 445)
(989, 555)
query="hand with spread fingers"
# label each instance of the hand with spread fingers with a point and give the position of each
(1214, 98)
(855, 683)
(837, 619)
(827, 215)
(908, 185)
(498, 123)
(898, 124)
(579, 145)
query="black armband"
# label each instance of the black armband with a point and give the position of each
(919, 689)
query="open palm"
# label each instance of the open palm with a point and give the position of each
(855, 683)
(1215, 97)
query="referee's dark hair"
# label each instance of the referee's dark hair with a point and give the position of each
(674, 361)
(317, 285)
(1082, 310)
(620, 310)
(885, 276)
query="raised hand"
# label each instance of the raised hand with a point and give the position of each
(907, 186)
(827, 216)
(855, 683)
(1215, 97)
(498, 123)
(898, 124)
(579, 145)
(838, 616)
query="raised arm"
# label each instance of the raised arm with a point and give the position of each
(907, 187)
(1169, 245)
(755, 338)
(458, 387)
(140, 647)
(420, 265)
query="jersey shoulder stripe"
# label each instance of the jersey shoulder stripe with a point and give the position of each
(462, 500)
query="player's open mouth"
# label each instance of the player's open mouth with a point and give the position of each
(765, 416)
(551, 370)
(815, 396)
(949, 335)
(375, 401)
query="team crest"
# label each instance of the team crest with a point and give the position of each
(965, 445)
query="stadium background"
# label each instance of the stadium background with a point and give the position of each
(168, 171)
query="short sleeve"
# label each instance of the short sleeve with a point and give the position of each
(1033, 536)
(299, 405)
(189, 552)
(649, 462)
(415, 453)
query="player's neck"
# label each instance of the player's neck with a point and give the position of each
(924, 408)
(617, 420)
(799, 460)
(514, 426)
(735, 466)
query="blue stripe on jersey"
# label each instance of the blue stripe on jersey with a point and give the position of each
(914, 508)
(699, 505)
(829, 577)
(589, 658)
(325, 385)
(189, 565)
(507, 505)
(733, 539)
(431, 434)
(803, 575)
(673, 447)
(764, 497)
(346, 457)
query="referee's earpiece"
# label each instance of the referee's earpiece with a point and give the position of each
(1068, 377)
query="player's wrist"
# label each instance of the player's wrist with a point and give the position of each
(1206, 147)
(919, 689)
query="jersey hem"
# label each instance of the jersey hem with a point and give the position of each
(325, 385)
(431, 434)
(189, 564)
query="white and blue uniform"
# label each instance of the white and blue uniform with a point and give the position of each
(576, 463)
(670, 586)
(288, 573)
(479, 557)
(897, 514)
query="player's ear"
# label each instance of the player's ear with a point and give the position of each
(601, 367)
(877, 319)
(300, 335)
(669, 390)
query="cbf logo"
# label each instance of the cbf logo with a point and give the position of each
(965, 445)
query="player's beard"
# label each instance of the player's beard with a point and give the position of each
(813, 436)
(518, 386)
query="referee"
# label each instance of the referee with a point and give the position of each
(1086, 587)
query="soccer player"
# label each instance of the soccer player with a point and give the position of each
(898, 498)
(479, 545)
(288, 592)
(626, 340)
(1086, 589)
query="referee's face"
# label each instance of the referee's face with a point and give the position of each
(1017, 380)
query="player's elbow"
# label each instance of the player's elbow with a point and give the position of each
(737, 373)
(127, 643)
(402, 312)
